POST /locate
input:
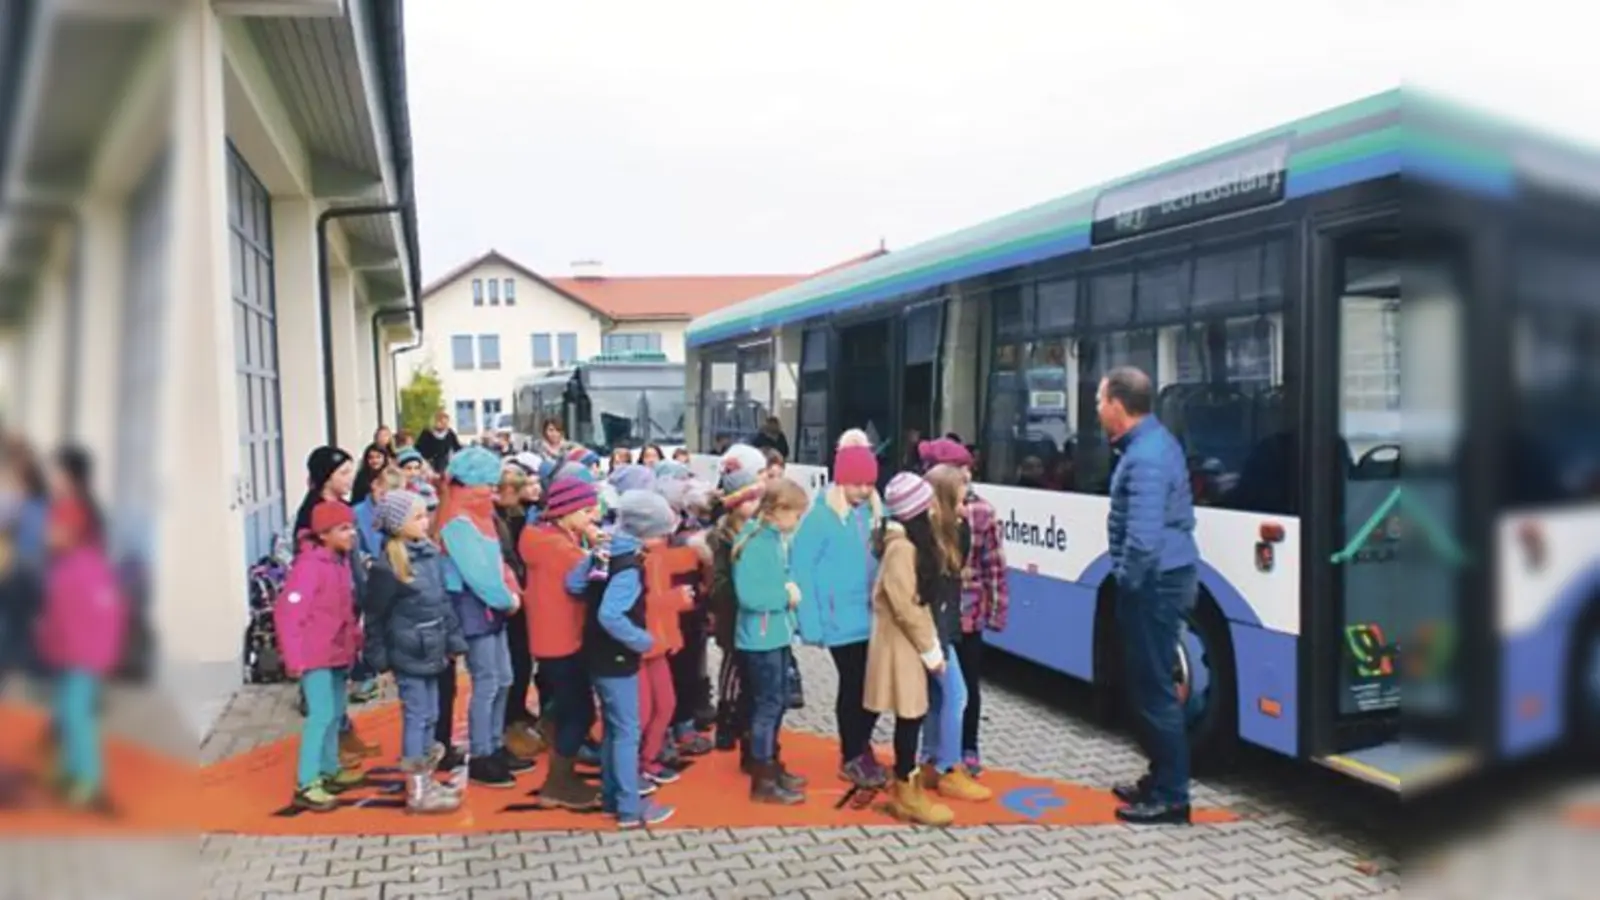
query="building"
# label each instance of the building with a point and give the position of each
(171, 167)
(493, 320)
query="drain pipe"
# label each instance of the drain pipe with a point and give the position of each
(324, 289)
(377, 355)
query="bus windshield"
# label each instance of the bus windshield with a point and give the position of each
(631, 417)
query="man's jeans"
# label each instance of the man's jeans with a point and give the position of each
(489, 665)
(947, 704)
(571, 701)
(1151, 617)
(419, 713)
(619, 746)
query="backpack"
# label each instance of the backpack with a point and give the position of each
(263, 663)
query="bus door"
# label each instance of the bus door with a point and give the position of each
(1384, 504)
(921, 343)
(866, 380)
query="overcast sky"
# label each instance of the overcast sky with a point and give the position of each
(720, 136)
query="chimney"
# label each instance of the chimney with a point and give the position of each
(587, 270)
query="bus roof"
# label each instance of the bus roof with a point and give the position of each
(1358, 142)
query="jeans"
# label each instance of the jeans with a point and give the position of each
(768, 688)
(79, 724)
(325, 691)
(489, 664)
(656, 703)
(969, 650)
(855, 722)
(521, 668)
(571, 701)
(619, 747)
(419, 712)
(1151, 618)
(947, 701)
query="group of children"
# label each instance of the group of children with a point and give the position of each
(616, 584)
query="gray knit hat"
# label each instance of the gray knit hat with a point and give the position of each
(645, 515)
(394, 509)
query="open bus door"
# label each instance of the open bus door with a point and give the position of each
(1390, 598)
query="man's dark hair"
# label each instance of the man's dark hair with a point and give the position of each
(1131, 387)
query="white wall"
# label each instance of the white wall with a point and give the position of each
(451, 312)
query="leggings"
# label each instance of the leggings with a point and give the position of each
(854, 721)
(325, 691)
(690, 685)
(444, 730)
(969, 650)
(733, 701)
(79, 724)
(906, 734)
(517, 711)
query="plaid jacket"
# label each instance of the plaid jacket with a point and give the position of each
(985, 596)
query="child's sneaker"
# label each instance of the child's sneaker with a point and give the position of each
(344, 780)
(864, 772)
(669, 755)
(649, 814)
(647, 785)
(972, 764)
(664, 775)
(315, 798)
(695, 744)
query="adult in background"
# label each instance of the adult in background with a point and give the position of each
(1150, 531)
(439, 444)
(771, 437)
(552, 442)
(383, 439)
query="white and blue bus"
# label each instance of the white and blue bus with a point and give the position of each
(1377, 333)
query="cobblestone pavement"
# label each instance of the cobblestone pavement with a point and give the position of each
(1306, 833)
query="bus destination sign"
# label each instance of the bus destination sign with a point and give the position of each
(1239, 181)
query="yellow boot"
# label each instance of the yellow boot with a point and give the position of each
(910, 803)
(955, 784)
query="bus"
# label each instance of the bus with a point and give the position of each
(1316, 304)
(613, 400)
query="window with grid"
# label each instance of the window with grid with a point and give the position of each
(510, 290)
(477, 292)
(461, 351)
(466, 417)
(488, 351)
(543, 356)
(567, 348)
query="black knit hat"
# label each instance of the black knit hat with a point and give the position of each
(321, 465)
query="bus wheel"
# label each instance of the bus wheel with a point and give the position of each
(1205, 680)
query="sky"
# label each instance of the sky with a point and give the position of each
(777, 136)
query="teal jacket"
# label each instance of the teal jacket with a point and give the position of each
(760, 576)
(832, 560)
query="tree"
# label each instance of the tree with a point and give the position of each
(420, 400)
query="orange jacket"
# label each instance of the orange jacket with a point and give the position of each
(670, 574)
(555, 618)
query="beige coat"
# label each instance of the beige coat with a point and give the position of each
(902, 630)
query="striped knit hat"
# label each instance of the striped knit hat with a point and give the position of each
(394, 509)
(908, 496)
(740, 479)
(568, 495)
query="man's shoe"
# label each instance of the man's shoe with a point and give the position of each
(1149, 813)
(1132, 792)
(490, 773)
(452, 760)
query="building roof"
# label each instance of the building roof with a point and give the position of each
(670, 296)
(633, 297)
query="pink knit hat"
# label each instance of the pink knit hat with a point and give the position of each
(943, 452)
(908, 496)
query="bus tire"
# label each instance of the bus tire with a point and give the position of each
(1583, 685)
(1213, 728)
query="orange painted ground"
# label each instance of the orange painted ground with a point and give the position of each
(249, 794)
(149, 793)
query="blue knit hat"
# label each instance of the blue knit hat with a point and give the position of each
(394, 509)
(409, 455)
(475, 467)
(632, 478)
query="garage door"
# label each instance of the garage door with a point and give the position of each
(255, 334)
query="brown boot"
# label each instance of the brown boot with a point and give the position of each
(523, 741)
(351, 744)
(766, 787)
(563, 789)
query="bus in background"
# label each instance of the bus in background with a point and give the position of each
(1387, 387)
(613, 400)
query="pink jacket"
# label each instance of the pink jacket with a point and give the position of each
(85, 615)
(316, 614)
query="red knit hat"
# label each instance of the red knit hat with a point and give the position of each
(330, 514)
(855, 466)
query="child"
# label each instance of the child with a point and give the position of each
(985, 595)
(904, 647)
(371, 540)
(669, 574)
(835, 569)
(551, 550)
(412, 631)
(82, 626)
(775, 464)
(741, 487)
(614, 639)
(485, 594)
(319, 638)
(767, 597)
(691, 499)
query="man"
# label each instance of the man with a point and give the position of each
(1151, 535)
(438, 445)
(771, 437)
